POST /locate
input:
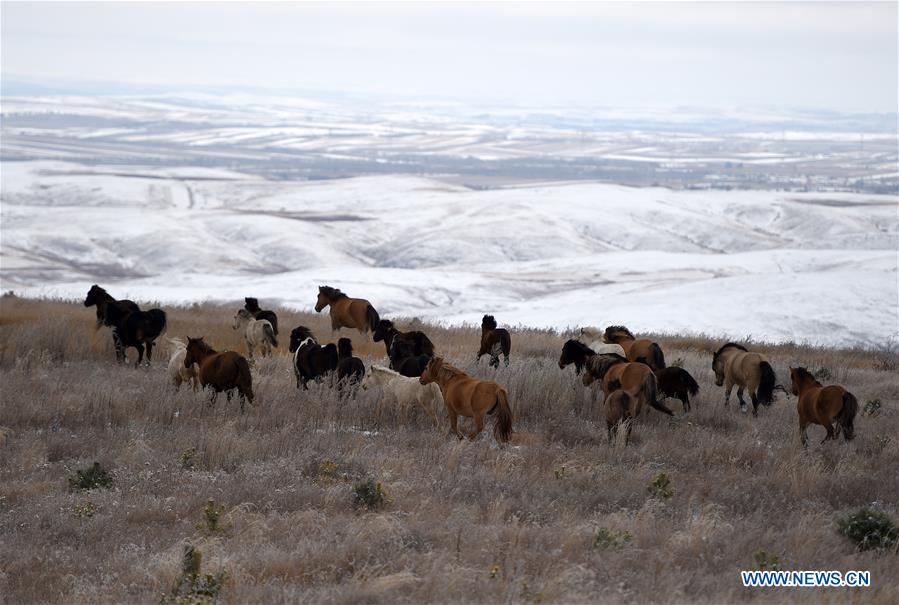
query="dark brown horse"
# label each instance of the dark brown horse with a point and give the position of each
(576, 352)
(310, 359)
(252, 305)
(131, 327)
(220, 371)
(494, 341)
(675, 382)
(404, 360)
(635, 378)
(824, 405)
(621, 409)
(350, 369)
(387, 332)
(102, 299)
(635, 347)
(347, 312)
(467, 396)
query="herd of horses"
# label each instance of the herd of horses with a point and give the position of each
(630, 372)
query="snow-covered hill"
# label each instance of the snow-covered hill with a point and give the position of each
(815, 267)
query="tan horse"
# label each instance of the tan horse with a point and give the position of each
(615, 372)
(734, 365)
(470, 397)
(221, 371)
(823, 405)
(347, 312)
(635, 347)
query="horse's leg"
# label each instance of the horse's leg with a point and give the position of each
(755, 403)
(742, 401)
(454, 423)
(728, 388)
(140, 353)
(685, 399)
(830, 432)
(494, 361)
(149, 352)
(478, 426)
(803, 433)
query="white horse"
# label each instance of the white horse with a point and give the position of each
(593, 339)
(257, 332)
(177, 372)
(403, 389)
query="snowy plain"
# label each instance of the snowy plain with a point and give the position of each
(819, 268)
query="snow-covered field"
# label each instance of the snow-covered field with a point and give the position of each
(810, 267)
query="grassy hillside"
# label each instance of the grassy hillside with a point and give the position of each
(558, 516)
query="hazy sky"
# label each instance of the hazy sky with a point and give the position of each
(816, 55)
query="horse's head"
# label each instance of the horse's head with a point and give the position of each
(298, 335)
(488, 323)
(383, 329)
(616, 334)
(431, 371)
(251, 304)
(95, 295)
(576, 352)
(344, 348)
(195, 350)
(718, 368)
(241, 318)
(323, 300)
(800, 376)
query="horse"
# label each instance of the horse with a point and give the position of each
(220, 371)
(577, 353)
(350, 370)
(178, 372)
(387, 332)
(675, 382)
(102, 299)
(403, 389)
(593, 336)
(470, 397)
(494, 341)
(347, 312)
(252, 305)
(404, 360)
(635, 378)
(310, 359)
(634, 347)
(257, 332)
(136, 329)
(823, 405)
(733, 365)
(621, 409)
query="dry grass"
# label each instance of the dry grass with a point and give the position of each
(464, 522)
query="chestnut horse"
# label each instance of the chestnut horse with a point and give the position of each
(823, 405)
(221, 371)
(635, 347)
(621, 409)
(635, 378)
(494, 341)
(734, 365)
(347, 312)
(470, 397)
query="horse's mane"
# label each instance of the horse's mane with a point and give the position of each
(245, 314)
(572, 343)
(604, 362)
(199, 342)
(488, 322)
(612, 329)
(618, 358)
(453, 370)
(591, 331)
(730, 345)
(803, 373)
(331, 293)
(297, 335)
(384, 370)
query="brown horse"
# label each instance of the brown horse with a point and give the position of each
(621, 409)
(347, 312)
(494, 341)
(470, 397)
(734, 365)
(635, 378)
(221, 371)
(635, 347)
(823, 405)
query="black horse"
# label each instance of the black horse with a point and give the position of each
(350, 369)
(136, 329)
(386, 331)
(675, 382)
(252, 305)
(576, 352)
(103, 300)
(404, 360)
(310, 359)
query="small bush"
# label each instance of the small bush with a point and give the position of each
(211, 518)
(368, 494)
(766, 561)
(187, 458)
(494, 572)
(193, 587)
(609, 538)
(873, 407)
(869, 529)
(91, 478)
(823, 373)
(85, 510)
(660, 487)
(560, 473)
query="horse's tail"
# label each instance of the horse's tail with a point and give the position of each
(269, 331)
(846, 416)
(502, 424)
(656, 357)
(244, 378)
(650, 391)
(689, 382)
(765, 392)
(505, 340)
(373, 317)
